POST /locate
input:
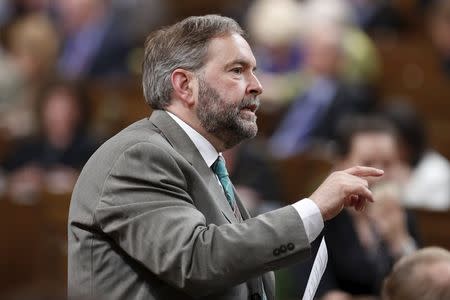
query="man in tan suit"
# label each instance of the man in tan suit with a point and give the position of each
(154, 215)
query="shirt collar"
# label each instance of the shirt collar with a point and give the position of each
(206, 149)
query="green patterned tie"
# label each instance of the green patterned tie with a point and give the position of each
(221, 171)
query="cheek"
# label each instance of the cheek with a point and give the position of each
(234, 89)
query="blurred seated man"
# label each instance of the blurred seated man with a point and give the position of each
(311, 120)
(53, 158)
(95, 43)
(363, 247)
(422, 275)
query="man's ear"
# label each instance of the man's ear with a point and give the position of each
(183, 83)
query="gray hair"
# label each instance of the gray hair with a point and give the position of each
(182, 45)
(418, 276)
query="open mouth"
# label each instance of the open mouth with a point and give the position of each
(251, 107)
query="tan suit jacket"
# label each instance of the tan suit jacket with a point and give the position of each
(149, 220)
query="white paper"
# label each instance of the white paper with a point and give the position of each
(320, 263)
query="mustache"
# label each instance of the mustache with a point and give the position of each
(250, 102)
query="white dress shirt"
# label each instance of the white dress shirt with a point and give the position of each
(306, 208)
(427, 187)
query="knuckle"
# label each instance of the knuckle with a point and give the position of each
(346, 188)
(339, 174)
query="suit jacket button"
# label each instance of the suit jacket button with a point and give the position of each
(283, 249)
(290, 246)
(276, 252)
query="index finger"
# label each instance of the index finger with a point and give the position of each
(362, 171)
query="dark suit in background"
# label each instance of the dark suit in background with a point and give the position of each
(313, 116)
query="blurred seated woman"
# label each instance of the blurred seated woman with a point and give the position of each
(52, 159)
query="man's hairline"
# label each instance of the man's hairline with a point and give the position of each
(225, 34)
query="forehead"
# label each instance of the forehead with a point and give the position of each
(375, 143)
(229, 48)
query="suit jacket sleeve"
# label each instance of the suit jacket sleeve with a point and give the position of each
(146, 208)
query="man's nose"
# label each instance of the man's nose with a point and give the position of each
(255, 88)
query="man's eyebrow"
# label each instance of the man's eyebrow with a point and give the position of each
(242, 62)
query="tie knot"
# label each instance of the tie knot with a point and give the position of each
(219, 167)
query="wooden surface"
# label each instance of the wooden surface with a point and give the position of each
(434, 227)
(33, 251)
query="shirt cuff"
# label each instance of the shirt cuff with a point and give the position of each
(312, 218)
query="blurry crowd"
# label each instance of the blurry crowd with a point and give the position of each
(320, 67)
(51, 51)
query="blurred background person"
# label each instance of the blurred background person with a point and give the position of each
(424, 274)
(31, 50)
(293, 47)
(312, 118)
(94, 42)
(362, 247)
(360, 59)
(53, 158)
(427, 173)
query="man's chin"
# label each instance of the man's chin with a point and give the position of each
(249, 129)
(247, 115)
(236, 139)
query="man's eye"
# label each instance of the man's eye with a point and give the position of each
(237, 70)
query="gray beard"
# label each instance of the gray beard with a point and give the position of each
(225, 120)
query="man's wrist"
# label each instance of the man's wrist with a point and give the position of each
(311, 216)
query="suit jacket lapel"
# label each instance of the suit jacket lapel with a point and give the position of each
(181, 142)
(244, 212)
